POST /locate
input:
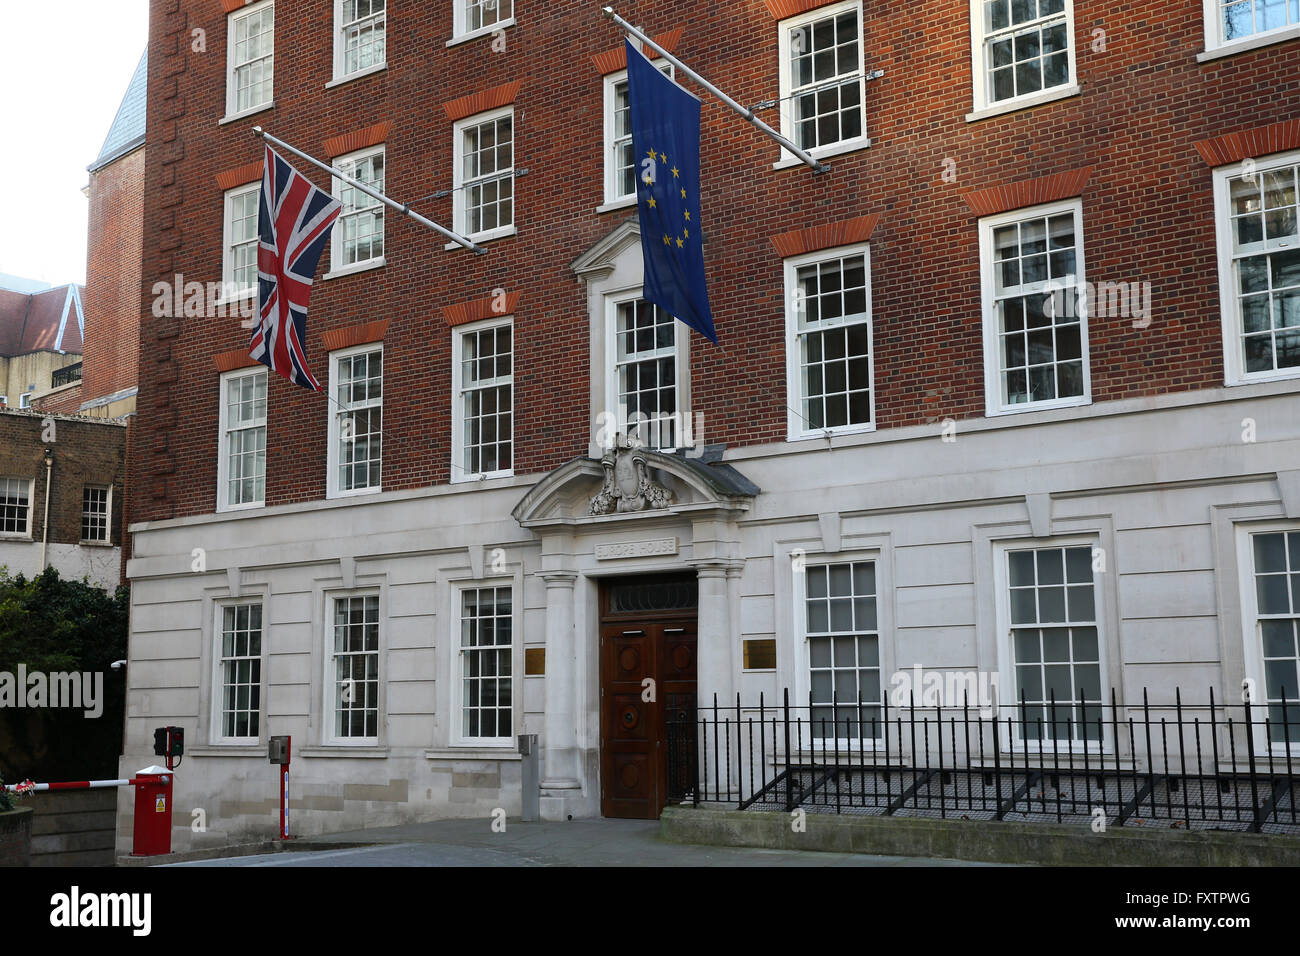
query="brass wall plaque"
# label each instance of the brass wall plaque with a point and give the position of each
(534, 661)
(760, 655)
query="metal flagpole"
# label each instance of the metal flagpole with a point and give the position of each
(746, 113)
(370, 191)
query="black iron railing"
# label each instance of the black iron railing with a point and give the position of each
(66, 375)
(1180, 765)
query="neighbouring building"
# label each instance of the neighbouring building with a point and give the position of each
(105, 386)
(40, 340)
(61, 484)
(913, 446)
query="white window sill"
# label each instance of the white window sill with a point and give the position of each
(481, 32)
(816, 752)
(486, 476)
(94, 544)
(353, 493)
(232, 117)
(237, 298)
(1024, 102)
(369, 751)
(354, 268)
(473, 753)
(613, 204)
(1261, 377)
(9, 536)
(482, 238)
(1024, 407)
(231, 748)
(1049, 748)
(1250, 43)
(340, 80)
(251, 506)
(831, 432)
(1018, 750)
(788, 160)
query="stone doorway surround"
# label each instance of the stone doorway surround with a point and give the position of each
(631, 512)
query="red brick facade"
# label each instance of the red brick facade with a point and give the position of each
(1146, 104)
(66, 402)
(115, 243)
(85, 452)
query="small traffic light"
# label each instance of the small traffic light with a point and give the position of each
(169, 742)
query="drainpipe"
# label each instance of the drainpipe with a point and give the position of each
(45, 529)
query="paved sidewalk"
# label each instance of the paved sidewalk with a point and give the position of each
(575, 843)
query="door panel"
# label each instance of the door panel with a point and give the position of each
(634, 764)
(628, 782)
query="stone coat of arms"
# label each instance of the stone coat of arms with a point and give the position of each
(628, 485)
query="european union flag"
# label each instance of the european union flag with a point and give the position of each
(666, 140)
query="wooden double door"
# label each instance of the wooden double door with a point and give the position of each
(647, 680)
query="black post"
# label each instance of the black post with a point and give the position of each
(695, 752)
(1254, 781)
(789, 783)
(997, 758)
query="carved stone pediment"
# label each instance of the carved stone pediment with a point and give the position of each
(628, 485)
(632, 483)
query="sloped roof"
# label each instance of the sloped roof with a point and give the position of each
(51, 321)
(19, 284)
(127, 131)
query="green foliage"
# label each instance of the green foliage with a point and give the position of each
(53, 625)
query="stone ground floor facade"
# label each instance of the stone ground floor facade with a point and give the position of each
(404, 640)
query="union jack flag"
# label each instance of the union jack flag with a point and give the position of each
(294, 220)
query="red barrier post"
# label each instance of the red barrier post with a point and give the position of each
(153, 812)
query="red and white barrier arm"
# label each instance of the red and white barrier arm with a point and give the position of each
(69, 785)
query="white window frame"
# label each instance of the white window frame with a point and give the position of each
(797, 428)
(460, 33)
(1252, 634)
(25, 399)
(785, 104)
(340, 47)
(1234, 366)
(223, 459)
(992, 324)
(229, 290)
(1216, 45)
(458, 470)
(231, 19)
(31, 506)
(108, 513)
(682, 357)
(1008, 701)
(803, 648)
(460, 208)
(457, 737)
(346, 163)
(337, 410)
(329, 738)
(612, 198)
(982, 99)
(218, 673)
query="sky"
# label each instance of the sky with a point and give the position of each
(64, 66)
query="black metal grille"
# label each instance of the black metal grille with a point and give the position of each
(679, 710)
(66, 375)
(637, 596)
(1180, 766)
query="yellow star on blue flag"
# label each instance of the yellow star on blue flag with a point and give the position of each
(665, 122)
